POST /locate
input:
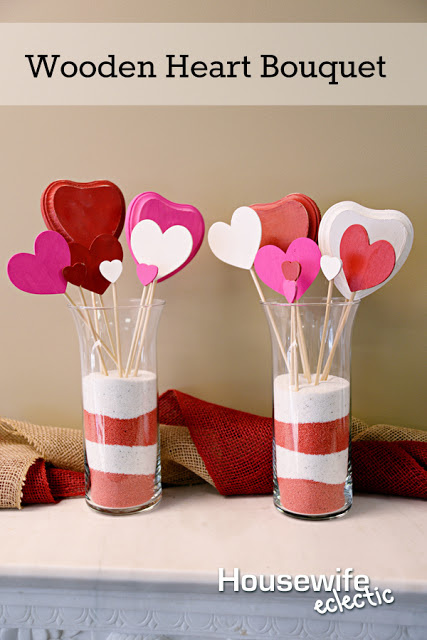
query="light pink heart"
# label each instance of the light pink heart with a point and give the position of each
(146, 273)
(41, 273)
(290, 290)
(269, 260)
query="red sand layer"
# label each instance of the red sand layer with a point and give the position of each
(309, 497)
(140, 431)
(313, 437)
(119, 490)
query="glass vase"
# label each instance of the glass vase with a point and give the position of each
(120, 396)
(311, 348)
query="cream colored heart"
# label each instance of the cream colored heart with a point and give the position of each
(168, 250)
(111, 270)
(237, 243)
(330, 266)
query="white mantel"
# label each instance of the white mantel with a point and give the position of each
(68, 572)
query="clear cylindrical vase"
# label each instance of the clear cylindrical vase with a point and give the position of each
(311, 347)
(120, 397)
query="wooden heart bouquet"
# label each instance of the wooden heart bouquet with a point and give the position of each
(358, 250)
(81, 248)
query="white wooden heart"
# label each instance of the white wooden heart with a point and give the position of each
(388, 224)
(330, 266)
(111, 270)
(237, 243)
(168, 250)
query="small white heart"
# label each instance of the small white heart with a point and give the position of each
(237, 243)
(330, 266)
(111, 270)
(168, 250)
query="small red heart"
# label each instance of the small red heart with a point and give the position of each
(104, 247)
(81, 211)
(75, 274)
(282, 222)
(365, 265)
(291, 270)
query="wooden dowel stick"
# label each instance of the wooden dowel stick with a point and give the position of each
(95, 313)
(94, 334)
(117, 328)
(107, 324)
(303, 348)
(323, 338)
(294, 348)
(337, 337)
(136, 331)
(270, 316)
(145, 327)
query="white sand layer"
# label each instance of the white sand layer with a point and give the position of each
(115, 458)
(329, 400)
(122, 398)
(330, 468)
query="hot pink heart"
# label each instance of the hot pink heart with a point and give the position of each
(41, 273)
(146, 273)
(269, 260)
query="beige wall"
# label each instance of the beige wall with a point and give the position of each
(213, 339)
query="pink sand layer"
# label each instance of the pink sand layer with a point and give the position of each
(309, 497)
(140, 431)
(313, 437)
(119, 490)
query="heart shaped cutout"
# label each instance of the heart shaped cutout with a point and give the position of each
(75, 274)
(330, 267)
(291, 270)
(146, 273)
(111, 270)
(313, 212)
(166, 214)
(282, 222)
(365, 265)
(41, 273)
(390, 225)
(290, 288)
(238, 242)
(103, 248)
(269, 261)
(82, 211)
(168, 251)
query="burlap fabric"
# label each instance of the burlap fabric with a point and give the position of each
(22, 444)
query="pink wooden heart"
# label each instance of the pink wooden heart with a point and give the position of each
(291, 270)
(152, 206)
(290, 290)
(269, 261)
(41, 273)
(146, 273)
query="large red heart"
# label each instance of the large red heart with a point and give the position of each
(365, 265)
(313, 212)
(81, 211)
(282, 222)
(104, 247)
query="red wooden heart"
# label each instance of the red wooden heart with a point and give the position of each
(313, 212)
(365, 265)
(75, 274)
(81, 211)
(291, 270)
(282, 222)
(104, 247)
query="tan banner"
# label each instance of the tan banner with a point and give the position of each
(213, 64)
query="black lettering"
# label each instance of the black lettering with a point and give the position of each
(366, 66)
(92, 67)
(42, 61)
(182, 65)
(331, 65)
(198, 69)
(73, 66)
(272, 65)
(109, 64)
(294, 69)
(142, 66)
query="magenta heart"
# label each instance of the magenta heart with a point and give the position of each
(269, 260)
(146, 273)
(152, 206)
(41, 273)
(290, 290)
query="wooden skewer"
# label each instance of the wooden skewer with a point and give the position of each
(117, 328)
(95, 313)
(294, 348)
(107, 324)
(270, 316)
(303, 348)
(323, 338)
(145, 327)
(136, 331)
(94, 334)
(340, 329)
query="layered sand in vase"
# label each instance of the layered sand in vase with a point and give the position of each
(311, 444)
(120, 421)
